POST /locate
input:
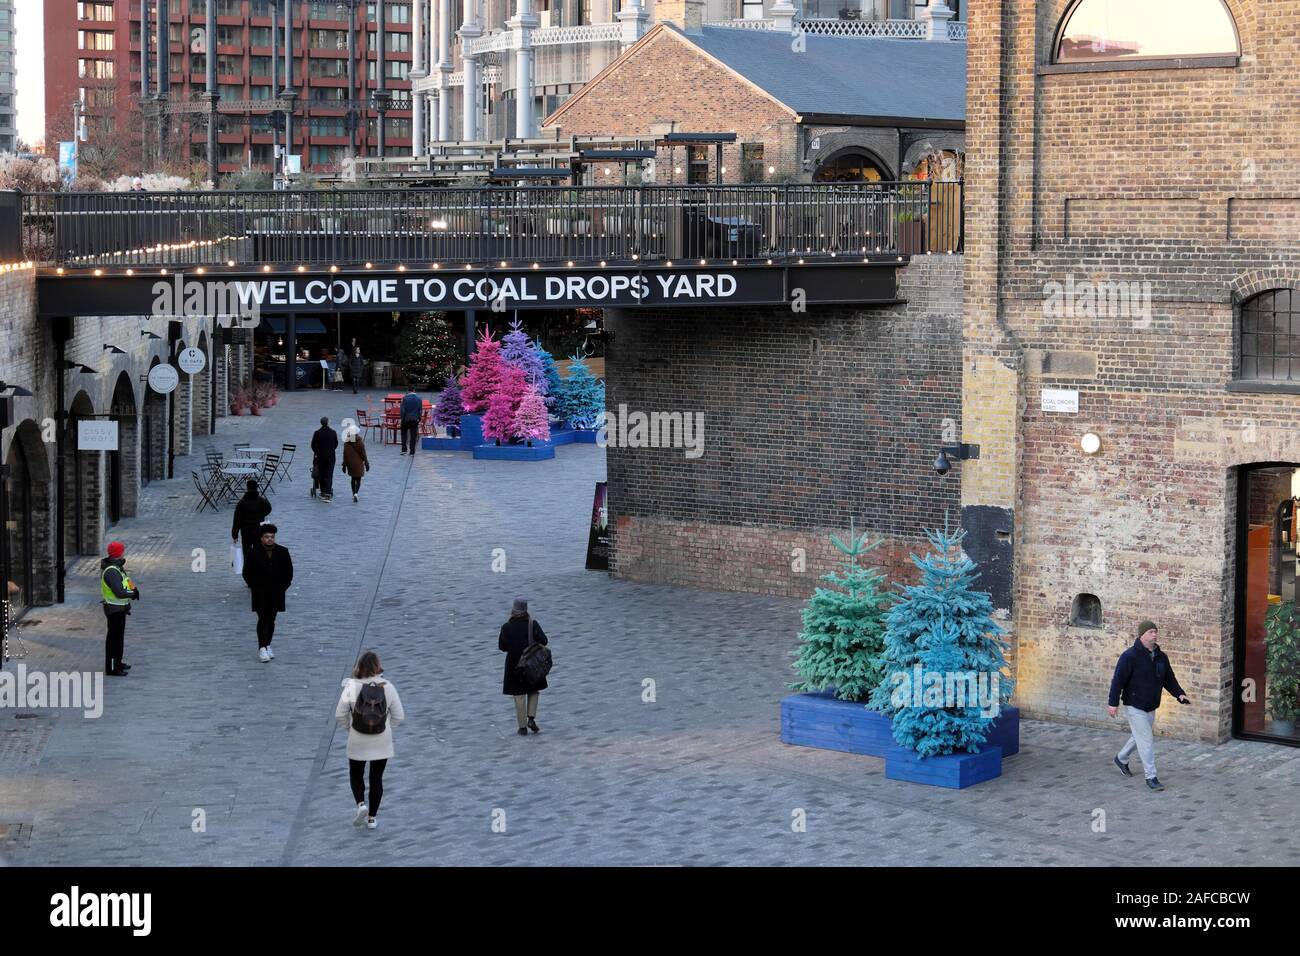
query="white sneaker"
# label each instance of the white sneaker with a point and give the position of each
(360, 818)
(270, 653)
(262, 656)
(354, 499)
(372, 823)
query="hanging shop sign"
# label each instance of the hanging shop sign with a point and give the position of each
(96, 435)
(192, 361)
(598, 537)
(163, 379)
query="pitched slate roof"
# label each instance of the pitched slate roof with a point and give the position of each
(847, 76)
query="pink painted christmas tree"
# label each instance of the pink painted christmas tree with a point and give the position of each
(503, 404)
(531, 420)
(484, 375)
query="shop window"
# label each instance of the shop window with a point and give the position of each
(1269, 341)
(849, 167)
(1107, 31)
(1085, 611)
(697, 171)
(751, 162)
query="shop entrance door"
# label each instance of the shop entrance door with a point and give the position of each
(1266, 658)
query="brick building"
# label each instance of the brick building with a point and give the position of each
(802, 107)
(8, 85)
(92, 58)
(1132, 245)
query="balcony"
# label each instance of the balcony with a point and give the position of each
(837, 27)
(757, 224)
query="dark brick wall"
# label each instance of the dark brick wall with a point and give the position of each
(809, 419)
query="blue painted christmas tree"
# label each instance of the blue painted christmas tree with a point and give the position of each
(843, 632)
(943, 656)
(582, 396)
(553, 380)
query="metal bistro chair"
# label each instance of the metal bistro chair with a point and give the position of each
(269, 467)
(215, 482)
(392, 425)
(205, 495)
(365, 423)
(287, 452)
(427, 429)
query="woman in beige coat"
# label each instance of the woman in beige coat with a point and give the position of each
(370, 708)
(355, 462)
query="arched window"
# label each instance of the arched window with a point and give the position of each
(1085, 611)
(1269, 344)
(849, 167)
(1104, 31)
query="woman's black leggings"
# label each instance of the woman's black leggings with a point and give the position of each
(356, 485)
(357, 770)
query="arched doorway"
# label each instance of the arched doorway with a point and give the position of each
(83, 484)
(850, 166)
(124, 464)
(27, 538)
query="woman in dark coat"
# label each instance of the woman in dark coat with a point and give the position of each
(250, 512)
(268, 569)
(513, 640)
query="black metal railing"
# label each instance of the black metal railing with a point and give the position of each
(488, 225)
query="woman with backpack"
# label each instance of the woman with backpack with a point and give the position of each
(517, 634)
(370, 708)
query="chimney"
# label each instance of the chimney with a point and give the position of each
(686, 14)
(936, 18)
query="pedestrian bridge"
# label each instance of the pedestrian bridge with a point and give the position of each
(532, 246)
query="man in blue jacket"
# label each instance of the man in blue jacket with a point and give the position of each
(1141, 673)
(412, 410)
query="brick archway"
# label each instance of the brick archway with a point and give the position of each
(83, 486)
(124, 464)
(30, 490)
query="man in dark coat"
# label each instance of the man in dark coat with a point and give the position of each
(357, 366)
(513, 639)
(118, 591)
(412, 410)
(324, 443)
(1141, 673)
(250, 513)
(268, 571)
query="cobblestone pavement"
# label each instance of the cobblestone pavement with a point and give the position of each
(699, 776)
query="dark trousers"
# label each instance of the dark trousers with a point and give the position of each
(413, 430)
(356, 773)
(114, 641)
(265, 627)
(325, 476)
(356, 485)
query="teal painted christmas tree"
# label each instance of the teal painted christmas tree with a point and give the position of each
(943, 656)
(843, 631)
(582, 396)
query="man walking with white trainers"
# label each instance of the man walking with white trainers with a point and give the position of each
(268, 570)
(1140, 674)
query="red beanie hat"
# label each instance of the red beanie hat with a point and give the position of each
(116, 549)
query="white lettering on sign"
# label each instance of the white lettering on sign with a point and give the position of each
(1061, 400)
(192, 361)
(163, 379)
(94, 435)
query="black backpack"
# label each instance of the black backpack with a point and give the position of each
(370, 712)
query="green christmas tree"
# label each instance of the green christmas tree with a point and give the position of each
(844, 627)
(943, 658)
(427, 350)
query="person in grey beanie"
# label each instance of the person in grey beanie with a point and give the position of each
(1141, 673)
(516, 634)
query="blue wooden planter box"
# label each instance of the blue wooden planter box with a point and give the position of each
(539, 451)
(821, 721)
(954, 771)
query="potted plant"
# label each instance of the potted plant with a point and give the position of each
(1282, 670)
(238, 402)
(911, 222)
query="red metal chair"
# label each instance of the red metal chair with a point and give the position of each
(365, 423)
(427, 428)
(392, 426)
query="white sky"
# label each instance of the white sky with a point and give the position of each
(29, 56)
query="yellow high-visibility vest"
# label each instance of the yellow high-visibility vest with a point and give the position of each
(107, 592)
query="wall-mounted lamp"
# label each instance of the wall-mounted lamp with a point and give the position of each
(76, 366)
(114, 349)
(1090, 443)
(962, 452)
(145, 333)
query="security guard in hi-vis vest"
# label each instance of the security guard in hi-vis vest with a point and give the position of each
(118, 591)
